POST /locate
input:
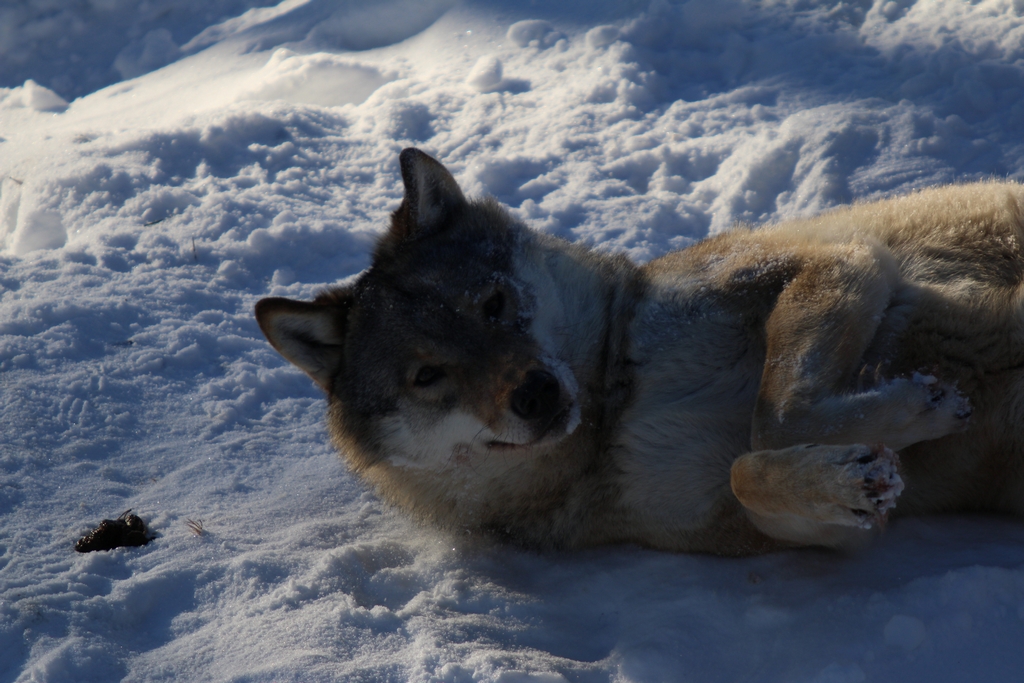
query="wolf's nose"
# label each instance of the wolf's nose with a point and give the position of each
(537, 397)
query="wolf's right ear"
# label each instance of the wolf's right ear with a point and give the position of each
(431, 193)
(309, 334)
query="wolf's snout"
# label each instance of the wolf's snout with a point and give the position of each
(538, 397)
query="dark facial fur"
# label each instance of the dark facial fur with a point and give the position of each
(445, 302)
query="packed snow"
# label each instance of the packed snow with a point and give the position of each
(166, 163)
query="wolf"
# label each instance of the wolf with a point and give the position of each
(761, 389)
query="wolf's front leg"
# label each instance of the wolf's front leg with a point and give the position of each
(817, 335)
(817, 495)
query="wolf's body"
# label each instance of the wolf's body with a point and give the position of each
(741, 395)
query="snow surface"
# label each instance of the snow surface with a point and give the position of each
(165, 163)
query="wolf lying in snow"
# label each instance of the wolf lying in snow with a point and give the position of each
(748, 393)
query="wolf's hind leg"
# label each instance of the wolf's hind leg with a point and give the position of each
(817, 495)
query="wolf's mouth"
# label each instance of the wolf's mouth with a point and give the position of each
(507, 446)
(558, 421)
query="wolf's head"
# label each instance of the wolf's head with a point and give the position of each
(458, 357)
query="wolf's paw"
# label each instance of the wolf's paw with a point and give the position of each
(923, 408)
(944, 398)
(873, 473)
(851, 485)
(859, 485)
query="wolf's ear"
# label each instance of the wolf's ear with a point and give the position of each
(431, 193)
(309, 334)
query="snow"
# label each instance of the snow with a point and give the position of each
(166, 163)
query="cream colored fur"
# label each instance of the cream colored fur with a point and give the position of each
(926, 283)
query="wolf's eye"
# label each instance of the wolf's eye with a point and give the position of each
(427, 375)
(494, 306)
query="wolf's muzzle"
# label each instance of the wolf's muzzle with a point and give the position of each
(537, 399)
